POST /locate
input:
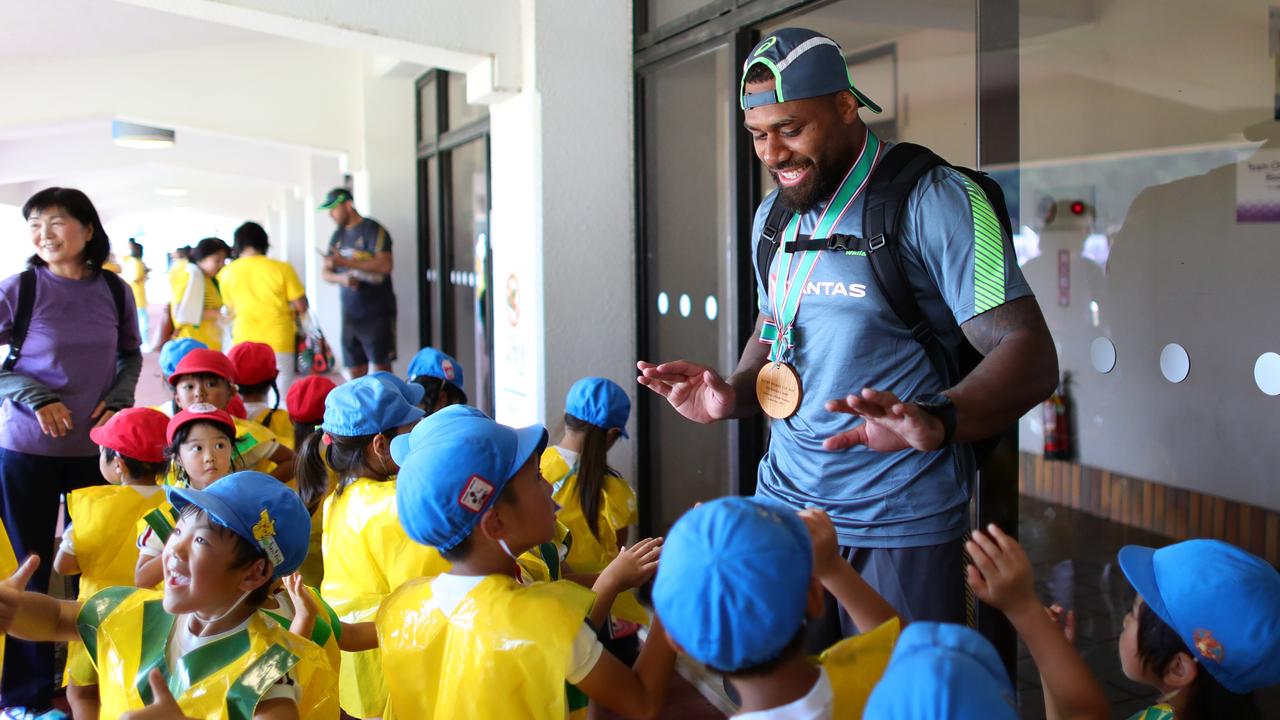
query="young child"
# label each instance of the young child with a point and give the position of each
(206, 376)
(305, 401)
(98, 543)
(1204, 629)
(171, 353)
(366, 553)
(740, 578)
(495, 648)
(440, 376)
(201, 643)
(201, 448)
(256, 373)
(596, 504)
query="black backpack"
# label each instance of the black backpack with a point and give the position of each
(27, 303)
(891, 184)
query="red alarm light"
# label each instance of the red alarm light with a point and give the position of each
(1077, 207)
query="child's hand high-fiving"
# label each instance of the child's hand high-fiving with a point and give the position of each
(1001, 574)
(12, 589)
(634, 566)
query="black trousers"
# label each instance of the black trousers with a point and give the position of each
(30, 486)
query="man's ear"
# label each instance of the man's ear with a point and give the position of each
(1181, 672)
(815, 600)
(847, 107)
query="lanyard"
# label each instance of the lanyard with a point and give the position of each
(789, 288)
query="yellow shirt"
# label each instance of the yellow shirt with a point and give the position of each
(135, 273)
(8, 564)
(258, 290)
(367, 555)
(855, 664)
(209, 331)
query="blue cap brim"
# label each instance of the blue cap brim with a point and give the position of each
(210, 503)
(532, 441)
(400, 448)
(414, 393)
(1138, 564)
(412, 415)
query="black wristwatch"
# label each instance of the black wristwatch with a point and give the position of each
(941, 407)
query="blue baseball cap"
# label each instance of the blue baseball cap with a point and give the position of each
(941, 671)
(412, 392)
(733, 583)
(402, 444)
(600, 402)
(430, 362)
(172, 352)
(367, 406)
(458, 461)
(804, 64)
(1222, 601)
(258, 508)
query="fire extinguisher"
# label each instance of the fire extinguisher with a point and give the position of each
(1057, 423)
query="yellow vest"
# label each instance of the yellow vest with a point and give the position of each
(277, 421)
(502, 653)
(854, 666)
(127, 633)
(8, 565)
(104, 518)
(588, 553)
(325, 634)
(367, 555)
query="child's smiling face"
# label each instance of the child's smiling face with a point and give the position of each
(205, 454)
(199, 576)
(201, 388)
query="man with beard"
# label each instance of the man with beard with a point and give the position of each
(359, 260)
(864, 427)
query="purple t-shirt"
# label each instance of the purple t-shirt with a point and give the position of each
(71, 349)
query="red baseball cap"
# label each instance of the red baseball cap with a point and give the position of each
(199, 412)
(305, 399)
(236, 407)
(254, 362)
(136, 433)
(203, 360)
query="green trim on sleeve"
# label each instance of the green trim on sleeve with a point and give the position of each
(94, 611)
(988, 252)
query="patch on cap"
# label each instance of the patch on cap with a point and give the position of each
(447, 368)
(265, 533)
(1207, 645)
(202, 408)
(475, 494)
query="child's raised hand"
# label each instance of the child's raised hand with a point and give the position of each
(162, 707)
(305, 607)
(1001, 574)
(1065, 619)
(826, 551)
(634, 566)
(12, 588)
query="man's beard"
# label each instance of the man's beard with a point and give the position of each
(816, 189)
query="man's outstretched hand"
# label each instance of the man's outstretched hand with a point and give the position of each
(888, 424)
(695, 391)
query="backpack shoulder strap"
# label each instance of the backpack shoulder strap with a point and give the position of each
(891, 184)
(117, 287)
(769, 240)
(21, 317)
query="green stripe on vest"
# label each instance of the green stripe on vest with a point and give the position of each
(256, 679)
(94, 611)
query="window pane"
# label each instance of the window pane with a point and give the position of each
(428, 182)
(468, 253)
(460, 112)
(427, 111)
(686, 241)
(1151, 217)
(662, 12)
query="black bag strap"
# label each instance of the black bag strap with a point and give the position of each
(21, 317)
(768, 242)
(118, 290)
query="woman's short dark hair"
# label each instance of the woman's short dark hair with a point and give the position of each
(208, 247)
(251, 235)
(77, 205)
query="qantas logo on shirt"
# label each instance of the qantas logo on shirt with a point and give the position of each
(827, 288)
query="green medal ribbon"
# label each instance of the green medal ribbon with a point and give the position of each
(784, 315)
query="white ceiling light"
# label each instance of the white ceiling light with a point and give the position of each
(171, 191)
(140, 137)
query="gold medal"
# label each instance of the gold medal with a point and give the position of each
(778, 389)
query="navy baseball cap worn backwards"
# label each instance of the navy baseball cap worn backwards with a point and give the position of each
(452, 468)
(367, 406)
(258, 508)
(430, 362)
(733, 584)
(804, 64)
(600, 402)
(336, 197)
(1224, 602)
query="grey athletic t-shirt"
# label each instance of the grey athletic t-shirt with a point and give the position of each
(960, 265)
